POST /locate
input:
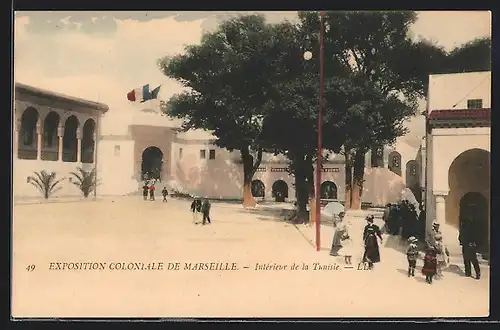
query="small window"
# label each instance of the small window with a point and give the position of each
(396, 161)
(475, 104)
(117, 150)
(180, 152)
(211, 154)
(413, 170)
(203, 154)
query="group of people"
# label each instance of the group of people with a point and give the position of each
(343, 240)
(436, 254)
(149, 188)
(404, 220)
(202, 207)
(436, 258)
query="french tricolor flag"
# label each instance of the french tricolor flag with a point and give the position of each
(143, 94)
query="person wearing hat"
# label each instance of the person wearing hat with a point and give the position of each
(412, 255)
(338, 233)
(370, 235)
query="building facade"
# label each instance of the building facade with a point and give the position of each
(190, 162)
(58, 133)
(458, 153)
(52, 133)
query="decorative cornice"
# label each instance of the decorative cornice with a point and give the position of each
(454, 118)
(22, 88)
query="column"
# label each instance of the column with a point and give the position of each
(39, 141)
(385, 156)
(60, 134)
(440, 207)
(78, 145)
(94, 151)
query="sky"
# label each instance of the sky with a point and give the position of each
(101, 56)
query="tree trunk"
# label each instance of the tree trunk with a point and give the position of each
(249, 168)
(301, 187)
(348, 180)
(358, 179)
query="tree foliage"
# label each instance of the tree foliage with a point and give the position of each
(45, 182)
(84, 180)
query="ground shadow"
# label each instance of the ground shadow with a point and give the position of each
(394, 242)
(454, 269)
(418, 276)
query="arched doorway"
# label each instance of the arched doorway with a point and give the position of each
(395, 162)
(469, 182)
(328, 190)
(27, 147)
(258, 189)
(70, 141)
(280, 190)
(88, 143)
(152, 163)
(50, 150)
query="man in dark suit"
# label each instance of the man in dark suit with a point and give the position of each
(468, 240)
(205, 209)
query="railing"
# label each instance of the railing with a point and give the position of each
(69, 156)
(26, 153)
(88, 157)
(51, 155)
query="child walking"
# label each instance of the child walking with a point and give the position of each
(412, 255)
(430, 263)
(347, 247)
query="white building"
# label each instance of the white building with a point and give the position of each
(52, 133)
(187, 161)
(458, 150)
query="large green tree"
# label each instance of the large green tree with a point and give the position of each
(228, 77)
(387, 74)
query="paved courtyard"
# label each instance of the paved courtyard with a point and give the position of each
(130, 232)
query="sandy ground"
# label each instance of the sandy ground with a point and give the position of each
(131, 230)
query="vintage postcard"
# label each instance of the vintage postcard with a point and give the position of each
(210, 164)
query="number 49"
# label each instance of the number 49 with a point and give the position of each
(30, 268)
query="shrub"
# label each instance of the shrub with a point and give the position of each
(84, 180)
(45, 182)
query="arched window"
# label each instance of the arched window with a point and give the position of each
(395, 162)
(27, 148)
(258, 188)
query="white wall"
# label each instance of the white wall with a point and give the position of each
(116, 168)
(23, 168)
(446, 90)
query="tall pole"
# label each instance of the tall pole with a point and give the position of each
(320, 124)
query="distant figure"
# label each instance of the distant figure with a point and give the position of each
(196, 209)
(430, 263)
(205, 210)
(337, 235)
(152, 192)
(370, 235)
(164, 192)
(412, 255)
(421, 223)
(443, 255)
(145, 190)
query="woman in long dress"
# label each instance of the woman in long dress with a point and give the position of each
(337, 234)
(371, 234)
